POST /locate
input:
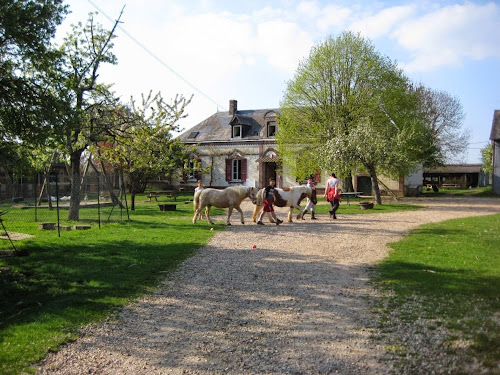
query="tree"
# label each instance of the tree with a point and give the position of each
(85, 49)
(444, 117)
(144, 146)
(349, 107)
(487, 158)
(27, 104)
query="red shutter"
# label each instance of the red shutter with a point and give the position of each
(228, 169)
(317, 176)
(243, 170)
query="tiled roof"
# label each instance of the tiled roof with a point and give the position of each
(217, 128)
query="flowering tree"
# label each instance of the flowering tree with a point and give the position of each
(349, 107)
(143, 147)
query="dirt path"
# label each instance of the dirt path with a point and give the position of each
(296, 304)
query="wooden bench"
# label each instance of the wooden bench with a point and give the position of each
(151, 195)
(158, 193)
(450, 186)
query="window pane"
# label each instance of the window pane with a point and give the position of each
(271, 128)
(236, 170)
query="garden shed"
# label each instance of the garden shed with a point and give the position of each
(456, 176)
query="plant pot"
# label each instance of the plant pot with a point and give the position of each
(366, 205)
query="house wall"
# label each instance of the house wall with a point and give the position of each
(496, 167)
(216, 156)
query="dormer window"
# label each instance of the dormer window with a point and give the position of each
(271, 128)
(237, 131)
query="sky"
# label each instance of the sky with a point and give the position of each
(219, 50)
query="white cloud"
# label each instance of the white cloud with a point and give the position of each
(448, 36)
(383, 22)
(283, 44)
(308, 9)
(333, 16)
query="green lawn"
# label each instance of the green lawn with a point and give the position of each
(84, 276)
(446, 274)
(484, 191)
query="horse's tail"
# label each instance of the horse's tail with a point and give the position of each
(196, 200)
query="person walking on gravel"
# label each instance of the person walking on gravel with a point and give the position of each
(332, 194)
(268, 199)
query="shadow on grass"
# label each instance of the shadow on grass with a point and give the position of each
(409, 278)
(57, 278)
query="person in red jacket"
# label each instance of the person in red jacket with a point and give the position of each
(332, 194)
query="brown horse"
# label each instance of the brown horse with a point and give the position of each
(230, 198)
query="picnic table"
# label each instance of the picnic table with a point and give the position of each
(349, 194)
(157, 193)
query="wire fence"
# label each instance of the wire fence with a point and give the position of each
(47, 198)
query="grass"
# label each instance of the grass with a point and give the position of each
(484, 191)
(449, 274)
(84, 276)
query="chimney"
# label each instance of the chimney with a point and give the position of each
(233, 107)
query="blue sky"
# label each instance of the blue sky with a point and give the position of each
(248, 50)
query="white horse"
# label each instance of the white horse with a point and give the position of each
(229, 198)
(287, 197)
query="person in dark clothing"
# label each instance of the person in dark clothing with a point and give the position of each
(268, 199)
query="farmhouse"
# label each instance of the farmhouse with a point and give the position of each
(495, 139)
(239, 147)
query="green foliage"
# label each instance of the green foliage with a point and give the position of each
(27, 104)
(449, 273)
(347, 107)
(487, 158)
(144, 146)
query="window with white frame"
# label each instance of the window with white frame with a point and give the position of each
(236, 170)
(237, 131)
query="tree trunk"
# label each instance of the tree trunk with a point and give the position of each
(347, 183)
(375, 187)
(74, 208)
(132, 201)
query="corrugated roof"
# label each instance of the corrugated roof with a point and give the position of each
(495, 126)
(455, 168)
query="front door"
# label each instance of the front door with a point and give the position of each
(269, 172)
(365, 185)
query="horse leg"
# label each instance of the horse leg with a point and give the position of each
(229, 212)
(207, 213)
(241, 214)
(197, 214)
(290, 214)
(301, 212)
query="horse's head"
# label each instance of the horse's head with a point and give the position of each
(252, 194)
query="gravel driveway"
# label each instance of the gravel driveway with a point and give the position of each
(298, 303)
